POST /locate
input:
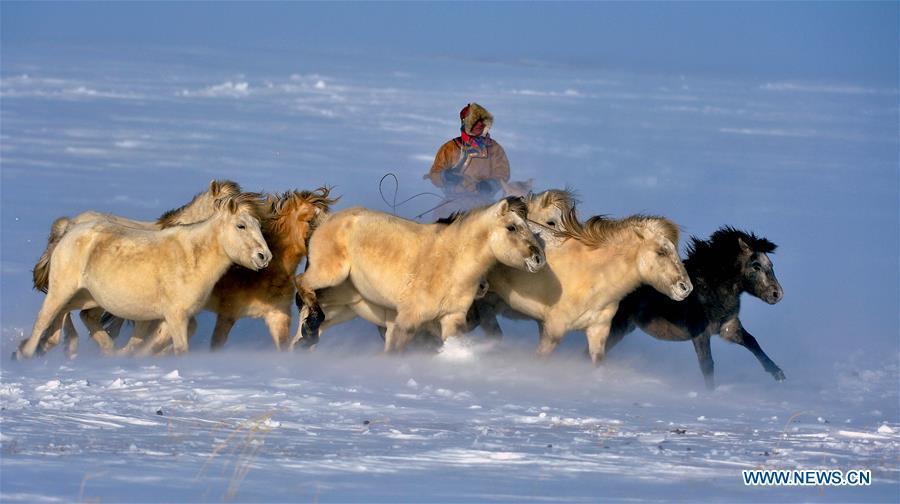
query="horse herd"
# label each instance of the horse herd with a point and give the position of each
(236, 254)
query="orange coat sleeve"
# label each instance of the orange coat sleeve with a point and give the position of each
(446, 157)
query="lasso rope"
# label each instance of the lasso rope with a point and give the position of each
(393, 204)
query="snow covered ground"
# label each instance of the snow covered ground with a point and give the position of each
(471, 424)
(810, 163)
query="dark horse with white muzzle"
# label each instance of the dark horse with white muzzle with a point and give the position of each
(729, 263)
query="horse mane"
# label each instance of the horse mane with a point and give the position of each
(564, 199)
(217, 189)
(252, 202)
(516, 205)
(717, 256)
(284, 204)
(600, 229)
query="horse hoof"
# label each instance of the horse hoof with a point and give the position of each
(308, 340)
(15, 356)
(778, 375)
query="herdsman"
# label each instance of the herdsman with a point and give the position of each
(469, 168)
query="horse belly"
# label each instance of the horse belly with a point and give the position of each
(374, 290)
(124, 299)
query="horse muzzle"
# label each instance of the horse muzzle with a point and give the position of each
(681, 290)
(774, 295)
(536, 261)
(261, 259)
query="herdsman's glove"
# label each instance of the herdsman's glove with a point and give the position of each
(451, 176)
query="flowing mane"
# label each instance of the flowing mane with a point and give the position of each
(716, 257)
(281, 207)
(599, 229)
(564, 199)
(516, 205)
(217, 189)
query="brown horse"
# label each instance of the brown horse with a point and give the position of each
(142, 274)
(596, 265)
(266, 294)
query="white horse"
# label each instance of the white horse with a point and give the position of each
(139, 274)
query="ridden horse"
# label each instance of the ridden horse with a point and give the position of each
(141, 274)
(423, 273)
(723, 267)
(595, 265)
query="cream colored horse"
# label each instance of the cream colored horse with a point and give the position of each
(545, 216)
(201, 207)
(425, 273)
(594, 266)
(139, 274)
(268, 294)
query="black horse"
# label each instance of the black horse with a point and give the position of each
(721, 268)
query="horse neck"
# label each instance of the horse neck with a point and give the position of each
(286, 254)
(201, 208)
(204, 247)
(466, 244)
(724, 288)
(622, 263)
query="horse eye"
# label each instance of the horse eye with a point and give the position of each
(241, 226)
(551, 223)
(661, 252)
(757, 267)
(511, 228)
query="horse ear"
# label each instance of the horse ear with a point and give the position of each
(638, 233)
(214, 187)
(232, 205)
(503, 207)
(744, 247)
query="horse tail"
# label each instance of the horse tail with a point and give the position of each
(41, 271)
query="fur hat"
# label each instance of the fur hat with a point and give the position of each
(471, 114)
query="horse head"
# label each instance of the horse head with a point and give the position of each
(546, 210)
(510, 238)
(658, 262)
(240, 232)
(757, 272)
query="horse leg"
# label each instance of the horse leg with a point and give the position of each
(71, 336)
(53, 305)
(399, 334)
(334, 316)
(452, 325)
(550, 336)
(224, 323)
(597, 335)
(279, 324)
(734, 332)
(177, 326)
(138, 337)
(53, 335)
(704, 357)
(113, 325)
(485, 315)
(91, 319)
(163, 342)
(620, 327)
(318, 275)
